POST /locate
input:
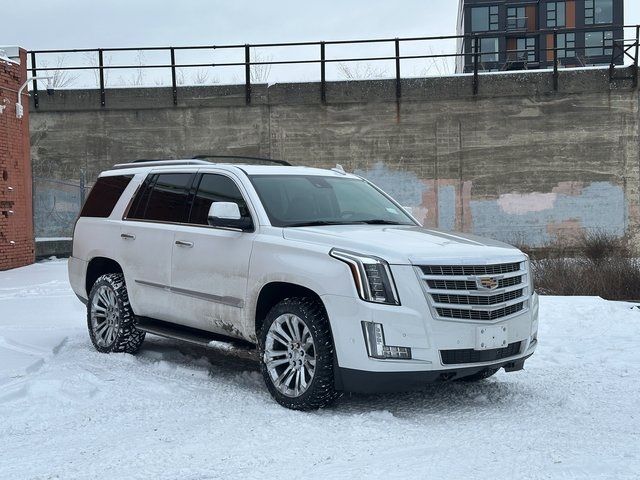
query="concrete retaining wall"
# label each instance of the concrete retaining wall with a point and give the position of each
(518, 162)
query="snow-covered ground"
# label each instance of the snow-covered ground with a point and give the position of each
(176, 411)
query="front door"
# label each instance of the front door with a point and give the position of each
(210, 265)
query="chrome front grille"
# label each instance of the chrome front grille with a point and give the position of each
(475, 300)
(470, 269)
(476, 292)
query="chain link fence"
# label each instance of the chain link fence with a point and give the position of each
(56, 205)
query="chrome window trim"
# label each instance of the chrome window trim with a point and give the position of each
(239, 186)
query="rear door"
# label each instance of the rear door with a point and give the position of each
(211, 265)
(146, 240)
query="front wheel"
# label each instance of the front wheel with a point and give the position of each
(297, 359)
(110, 318)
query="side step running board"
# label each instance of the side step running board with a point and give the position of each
(180, 332)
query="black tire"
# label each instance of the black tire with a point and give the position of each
(321, 391)
(128, 338)
(481, 375)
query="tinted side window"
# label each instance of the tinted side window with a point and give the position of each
(139, 204)
(215, 188)
(168, 198)
(104, 195)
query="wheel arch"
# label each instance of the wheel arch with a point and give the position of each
(97, 267)
(274, 292)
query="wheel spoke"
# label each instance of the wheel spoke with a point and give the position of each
(303, 380)
(291, 376)
(101, 327)
(278, 381)
(271, 354)
(309, 369)
(112, 334)
(104, 333)
(112, 297)
(287, 337)
(293, 324)
(102, 297)
(275, 363)
(98, 308)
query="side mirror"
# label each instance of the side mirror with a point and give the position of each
(227, 215)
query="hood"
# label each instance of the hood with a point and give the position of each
(407, 244)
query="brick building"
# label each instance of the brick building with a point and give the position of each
(516, 34)
(16, 217)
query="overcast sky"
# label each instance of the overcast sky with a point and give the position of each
(38, 24)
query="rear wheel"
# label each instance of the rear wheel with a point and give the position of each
(297, 354)
(110, 318)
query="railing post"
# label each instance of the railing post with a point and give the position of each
(323, 75)
(476, 59)
(555, 59)
(247, 73)
(36, 102)
(101, 70)
(398, 79)
(174, 84)
(635, 64)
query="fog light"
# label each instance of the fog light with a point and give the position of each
(376, 348)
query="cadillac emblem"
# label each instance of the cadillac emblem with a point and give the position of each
(488, 283)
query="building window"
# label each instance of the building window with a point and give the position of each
(598, 44)
(484, 19)
(488, 49)
(526, 49)
(516, 18)
(556, 14)
(598, 11)
(566, 45)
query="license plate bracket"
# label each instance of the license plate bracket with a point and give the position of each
(491, 337)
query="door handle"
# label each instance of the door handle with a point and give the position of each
(182, 243)
(127, 236)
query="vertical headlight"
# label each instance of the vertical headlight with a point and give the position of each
(527, 265)
(371, 275)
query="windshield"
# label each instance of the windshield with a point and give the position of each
(304, 200)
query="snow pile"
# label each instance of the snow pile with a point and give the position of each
(177, 411)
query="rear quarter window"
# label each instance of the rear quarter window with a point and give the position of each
(104, 195)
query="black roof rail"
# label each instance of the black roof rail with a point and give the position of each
(242, 157)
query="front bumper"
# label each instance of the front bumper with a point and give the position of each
(361, 381)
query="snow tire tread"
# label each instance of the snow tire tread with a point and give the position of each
(129, 339)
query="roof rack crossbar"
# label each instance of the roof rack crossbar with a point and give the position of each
(242, 157)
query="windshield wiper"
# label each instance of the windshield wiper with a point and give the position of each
(317, 223)
(378, 221)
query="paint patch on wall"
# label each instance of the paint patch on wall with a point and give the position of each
(404, 186)
(523, 203)
(447, 207)
(599, 206)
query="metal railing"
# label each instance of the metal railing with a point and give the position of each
(621, 49)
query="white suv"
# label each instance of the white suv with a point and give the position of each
(340, 287)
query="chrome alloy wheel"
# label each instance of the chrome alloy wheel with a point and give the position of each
(290, 355)
(105, 316)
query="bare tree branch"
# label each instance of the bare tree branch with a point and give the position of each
(360, 71)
